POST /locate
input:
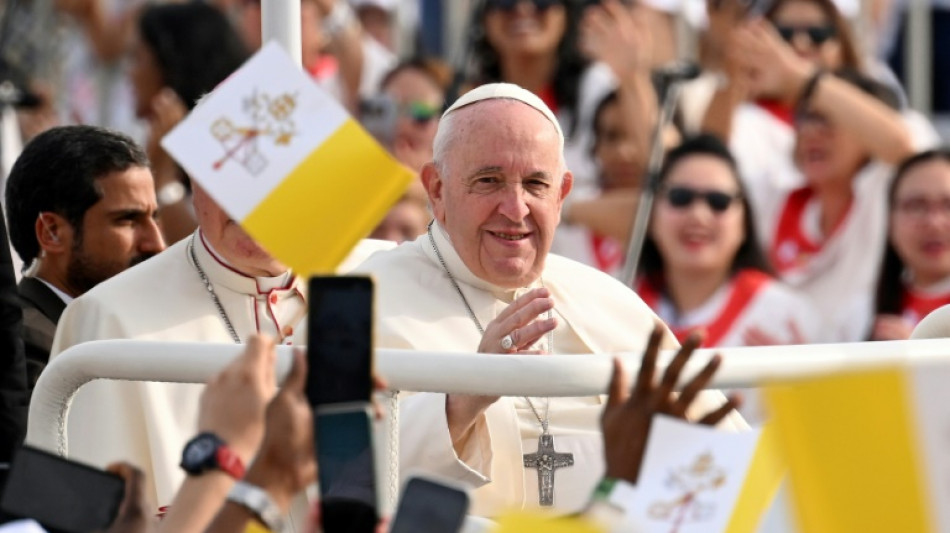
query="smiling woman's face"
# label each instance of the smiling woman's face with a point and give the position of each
(693, 236)
(525, 30)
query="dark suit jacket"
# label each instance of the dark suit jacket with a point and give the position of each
(41, 311)
(14, 398)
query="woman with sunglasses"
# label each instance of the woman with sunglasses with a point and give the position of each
(915, 271)
(702, 267)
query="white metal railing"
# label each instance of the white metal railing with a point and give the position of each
(508, 375)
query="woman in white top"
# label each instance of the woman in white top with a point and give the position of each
(702, 267)
(915, 271)
(755, 112)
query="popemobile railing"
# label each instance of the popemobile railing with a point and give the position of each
(466, 373)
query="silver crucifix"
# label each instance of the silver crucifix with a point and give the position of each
(546, 460)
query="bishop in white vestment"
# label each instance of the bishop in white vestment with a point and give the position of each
(192, 292)
(496, 199)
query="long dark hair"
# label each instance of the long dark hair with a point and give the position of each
(195, 46)
(889, 294)
(749, 255)
(570, 62)
(850, 56)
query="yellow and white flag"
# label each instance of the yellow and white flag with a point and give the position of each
(287, 162)
(868, 450)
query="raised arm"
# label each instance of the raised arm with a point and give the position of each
(877, 127)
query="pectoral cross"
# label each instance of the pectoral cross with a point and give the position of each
(546, 460)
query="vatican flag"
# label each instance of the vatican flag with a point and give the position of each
(868, 450)
(288, 163)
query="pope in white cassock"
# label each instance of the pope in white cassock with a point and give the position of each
(217, 285)
(482, 279)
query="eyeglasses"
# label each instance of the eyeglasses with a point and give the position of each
(816, 34)
(510, 5)
(419, 112)
(917, 207)
(683, 197)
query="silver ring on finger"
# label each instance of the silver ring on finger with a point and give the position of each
(507, 342)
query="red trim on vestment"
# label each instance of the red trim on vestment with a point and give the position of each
(791, 248)
(746, 285)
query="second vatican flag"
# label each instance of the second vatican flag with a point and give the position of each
(288, 163)
(868, 450)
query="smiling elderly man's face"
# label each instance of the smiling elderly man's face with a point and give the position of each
(498, 193)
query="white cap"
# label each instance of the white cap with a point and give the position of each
(385, 5)
(506, 91)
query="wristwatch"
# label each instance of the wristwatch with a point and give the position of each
(257, 501)
(208, 452)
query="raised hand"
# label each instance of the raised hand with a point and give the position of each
(618, 36)
(234, 401)
(628, 415)
(524, 322)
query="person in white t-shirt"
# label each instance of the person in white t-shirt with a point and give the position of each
(824, 237)
(702, 267)
(915, 270)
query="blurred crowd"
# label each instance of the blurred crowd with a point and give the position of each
(800, 198)
(815, 202)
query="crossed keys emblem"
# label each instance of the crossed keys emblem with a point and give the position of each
(689, 481)
(267, 118)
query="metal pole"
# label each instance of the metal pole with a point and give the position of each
(645, 205)
(280, 21)
(918, 55)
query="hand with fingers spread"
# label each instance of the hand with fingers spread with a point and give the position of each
(629, 414)
(775, 69)
(619, 37)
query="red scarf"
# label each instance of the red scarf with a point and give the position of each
(548, 97)
(608, 253)
(791, 248)
(746, 284)
(916, 305)
(778, 110)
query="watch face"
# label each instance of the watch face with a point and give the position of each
(199, 451)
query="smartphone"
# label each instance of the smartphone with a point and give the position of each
(378, 115)
(62, 495)
(429, 506)
(339, 387)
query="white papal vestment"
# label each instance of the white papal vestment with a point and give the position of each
(418, 308)
(164, 299)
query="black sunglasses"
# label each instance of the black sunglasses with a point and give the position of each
(683, 197)
(510, 5)
(816, 34)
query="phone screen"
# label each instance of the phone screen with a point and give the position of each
(62, 495)
(347, 471)
(429, 507)
(339, 348)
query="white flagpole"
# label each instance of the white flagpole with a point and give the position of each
(280, 21)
